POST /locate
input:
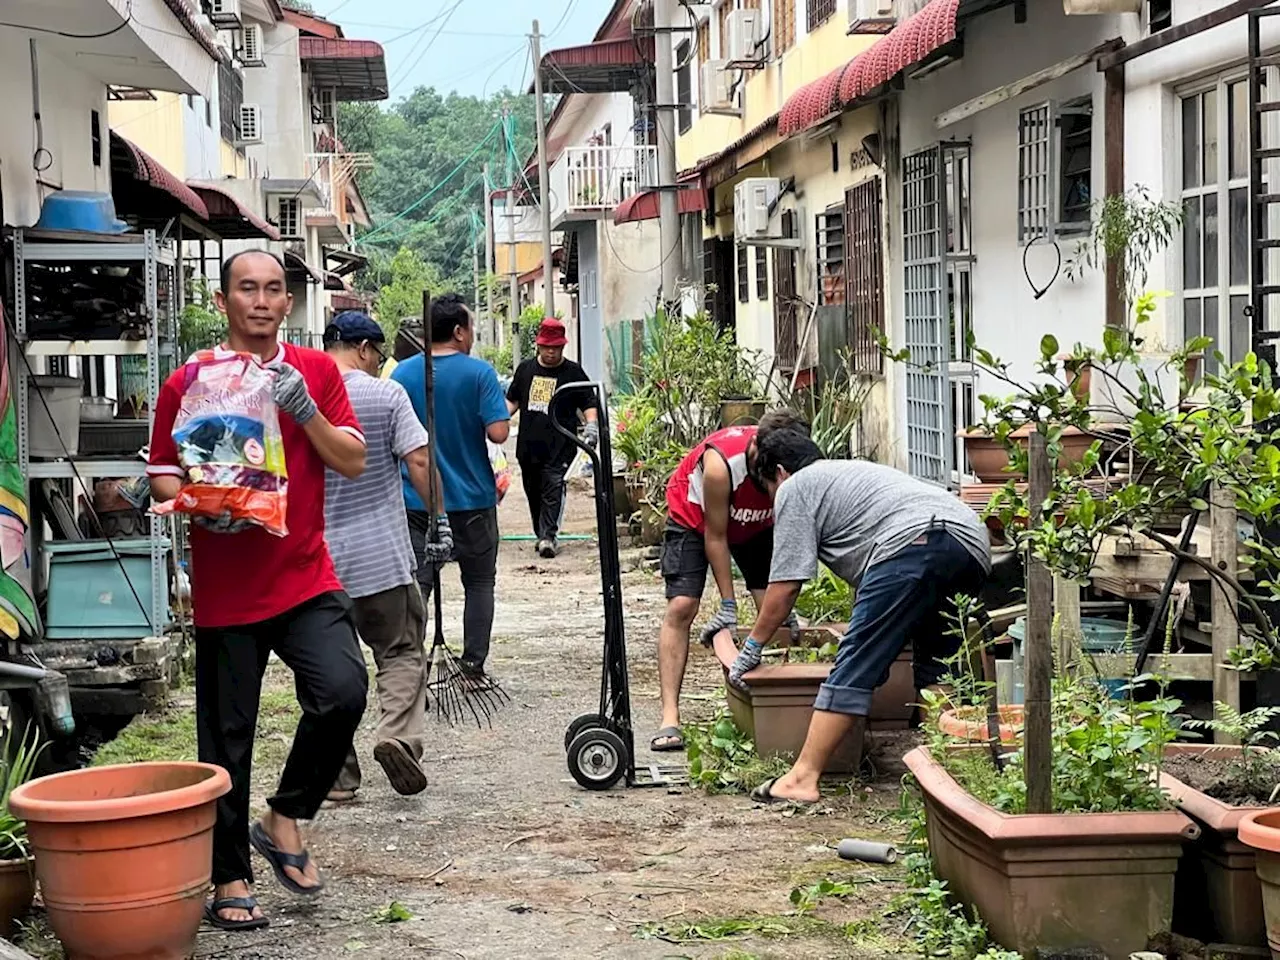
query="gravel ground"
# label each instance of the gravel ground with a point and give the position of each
(505, 856)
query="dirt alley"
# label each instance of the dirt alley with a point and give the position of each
(505, 856)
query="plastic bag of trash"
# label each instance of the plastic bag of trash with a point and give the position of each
(501, 469)
(227, 432)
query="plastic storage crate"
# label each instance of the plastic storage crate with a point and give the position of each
(89, 589)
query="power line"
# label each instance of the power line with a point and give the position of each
(436, 36)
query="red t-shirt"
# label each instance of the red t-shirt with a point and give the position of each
(248, 577)
(750, 509)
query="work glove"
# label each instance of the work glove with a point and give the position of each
(726, 619)
(591, 434)
(224, 523)
(793, 626)
(440, 548)
(290, 393)
(747, 660)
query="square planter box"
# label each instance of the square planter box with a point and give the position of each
(1101, 881)
(775, 712)
(1218, 898)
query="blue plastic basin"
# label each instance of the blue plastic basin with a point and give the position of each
(86, 211)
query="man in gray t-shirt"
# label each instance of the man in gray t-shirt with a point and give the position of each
(368, 535)
(906, 546)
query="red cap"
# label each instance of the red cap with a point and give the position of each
(551, 333)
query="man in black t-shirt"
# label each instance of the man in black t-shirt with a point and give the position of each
(543, 454)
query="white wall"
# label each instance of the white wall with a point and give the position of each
(67, 97)
(1007, 318)
(201, 133)
(286, 111)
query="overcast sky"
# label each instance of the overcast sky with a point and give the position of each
(472, 46)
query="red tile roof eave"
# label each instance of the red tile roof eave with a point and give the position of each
(323, 48)
(313, 24)
(644, 206)
(223, 205)
(148, 170)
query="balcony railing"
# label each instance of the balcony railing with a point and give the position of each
(600, 178)
(331, 172)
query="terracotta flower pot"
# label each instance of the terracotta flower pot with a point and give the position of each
(776, 709)
(652, 524)
(1217, 898)
(738, 412)
(970, 724)
(1054, 881)
(621, 497)
(988, 459)
(124, 855)
(17, 890)
(1261, 831)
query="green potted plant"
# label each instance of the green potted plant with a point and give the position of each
(17, 877)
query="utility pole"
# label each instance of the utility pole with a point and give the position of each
(513, 312)
(548, 291)
(665, 110)
(495, 329)
(475, 261)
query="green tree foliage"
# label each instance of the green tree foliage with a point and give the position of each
(401, 295)
(415, 144)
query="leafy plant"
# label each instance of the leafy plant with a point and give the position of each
(723, 759)
(394, 912)
(14, 772)
(200, 325)
(806, 898)
(1132, 228)
(833, 408)
(825, 599)
(1258, 766)
(400, 296)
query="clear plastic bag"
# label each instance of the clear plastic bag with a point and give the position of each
(227, 432)
(501, 469)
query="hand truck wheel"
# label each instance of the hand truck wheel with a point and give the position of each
(581, 723)
(598, 758)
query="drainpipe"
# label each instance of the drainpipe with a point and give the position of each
(53, 694)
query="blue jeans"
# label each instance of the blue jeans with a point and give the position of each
(904, 598)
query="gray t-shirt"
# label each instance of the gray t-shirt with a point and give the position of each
(364, 518)
(851, 514)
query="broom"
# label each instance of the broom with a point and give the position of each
(458, 689)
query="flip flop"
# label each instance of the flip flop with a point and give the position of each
(764, 794)
(398, 763)
(279, 860)
(667, 733)
(213, 918)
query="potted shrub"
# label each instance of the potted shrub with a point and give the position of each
(1218, 897)
(17, 877)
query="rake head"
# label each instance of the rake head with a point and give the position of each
(461, 691)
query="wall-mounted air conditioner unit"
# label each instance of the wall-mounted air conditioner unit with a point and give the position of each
(716, 94)
(871, 16)
(752, 199)
(250, 123)
(746, 35)
(225, 13)
(251, 45)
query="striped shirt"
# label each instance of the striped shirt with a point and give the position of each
(365, 521)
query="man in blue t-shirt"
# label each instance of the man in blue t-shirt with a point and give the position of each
(470, 409)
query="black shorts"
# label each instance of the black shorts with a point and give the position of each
(684, 560)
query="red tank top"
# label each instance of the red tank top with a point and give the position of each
(750, 510)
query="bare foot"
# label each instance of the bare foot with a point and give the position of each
(790, 787)
(286, 836)
(235, 890)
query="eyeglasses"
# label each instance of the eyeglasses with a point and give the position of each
(374, 347)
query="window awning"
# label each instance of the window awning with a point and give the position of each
(345, 261)
(910, 42)
(644, 206)
(295, 266)
(141, 186)
(230, 219)
(353, 69)
(606, 66)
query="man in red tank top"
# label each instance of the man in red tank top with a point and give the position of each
(717, 516)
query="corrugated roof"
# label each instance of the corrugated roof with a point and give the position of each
(354, 69)
(645, 206)
(144, 169)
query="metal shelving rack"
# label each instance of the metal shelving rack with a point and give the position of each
(161, 279)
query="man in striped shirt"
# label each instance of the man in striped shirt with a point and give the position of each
(368, 534)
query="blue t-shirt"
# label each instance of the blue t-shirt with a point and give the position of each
(468, 400)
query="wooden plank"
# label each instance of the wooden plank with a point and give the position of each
(1174, 666)
(1018, 87)
(1066, 598)
(1180, 31)
(1038, 654)
(1224, 546)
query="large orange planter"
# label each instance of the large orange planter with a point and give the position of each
(124, 855)
(970, 724)
(1261, 831)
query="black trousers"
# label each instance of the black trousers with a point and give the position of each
(544, 487)
(475, 547)
(317, 641)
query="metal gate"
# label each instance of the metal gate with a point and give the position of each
(786, 336)
(929, 444)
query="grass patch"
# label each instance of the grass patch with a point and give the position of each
(171, 734)
(35, 937)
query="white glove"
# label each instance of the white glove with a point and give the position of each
(726, 619)
(747, 660)
(591, 434)
(290, 393)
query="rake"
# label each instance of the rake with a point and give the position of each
(458, 688)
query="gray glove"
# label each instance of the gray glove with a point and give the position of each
(726, 619)
(793, 625)
(591, 434)
(748, 659)
(290, 393)
(439, 550)
(222, 524)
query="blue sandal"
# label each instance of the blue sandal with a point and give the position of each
(212, 914)
(279, 860)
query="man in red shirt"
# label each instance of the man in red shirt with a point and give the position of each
(254, 593)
